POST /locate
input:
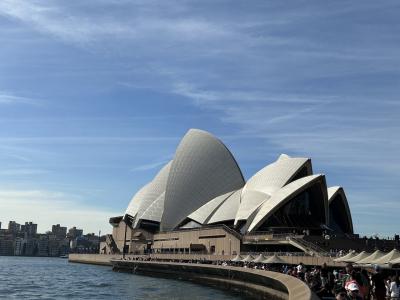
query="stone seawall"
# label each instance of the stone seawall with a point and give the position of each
(255, 283)
(93, 259)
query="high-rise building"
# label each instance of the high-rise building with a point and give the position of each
(13, 227)
(29, 229)
(59, 231)
(43, 245)
(74, 233)
(19, 246)
(6, 242)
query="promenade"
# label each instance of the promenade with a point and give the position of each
(259, 284)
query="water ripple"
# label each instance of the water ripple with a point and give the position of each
(55, 278)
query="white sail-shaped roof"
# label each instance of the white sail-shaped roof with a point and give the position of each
(156, 189)
(268, 180)
(337, 201)
(277, 174)
(227, 210)
(154, 211)
(203, 213)
(283, 195)
(203, 168)
(134, 204)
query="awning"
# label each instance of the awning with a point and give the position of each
(237, 258)
(274, 260)
(248, 258)
(392, 255)
(259, 259)
(346, 257)
(374, 256)
(358, 257)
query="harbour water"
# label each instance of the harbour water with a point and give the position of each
(55, 278)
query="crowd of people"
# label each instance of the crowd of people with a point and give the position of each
(347, 283)
(331, 283)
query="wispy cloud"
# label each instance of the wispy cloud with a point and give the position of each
(150, 166)
(85, 139)
(22, 172)
(9, 98)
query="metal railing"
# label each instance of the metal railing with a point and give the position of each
(311, 247)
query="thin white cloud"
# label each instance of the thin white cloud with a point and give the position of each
(22, 172)
(9, 98)
(149, 166)
(84, 140)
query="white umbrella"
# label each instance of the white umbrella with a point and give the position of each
(359, 256)
(369, 259)
(248, 258)
(237, 258)
(259, 259)
(346, 257)
(274, 260)
(395, 261)
(392, 255)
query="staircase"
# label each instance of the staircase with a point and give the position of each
(307, 246)
(111, 244)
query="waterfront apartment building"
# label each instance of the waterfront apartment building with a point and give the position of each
(29, 229)
(74, 233)
(14, 227)
(23, 240)
(59, 231)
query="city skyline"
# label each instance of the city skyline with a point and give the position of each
(95, 96)
(2, 226)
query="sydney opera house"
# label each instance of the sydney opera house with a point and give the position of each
(199, 201)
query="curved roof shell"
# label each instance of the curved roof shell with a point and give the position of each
(339, 211)
(268, 180)
(205, 212)
(144, 198)
(203, 168)
(227, 210)
(136, 200)
(287, 193)
(154, 211)
(156, 189)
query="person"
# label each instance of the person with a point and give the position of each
(346, 277)
(341, 294)
(366, 286)
(324, 274)
(378, 285)
(300, 271)
(394, 288)
(352, 280)
(353, 292)
(355, 277)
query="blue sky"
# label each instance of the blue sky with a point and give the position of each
(95, 96)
